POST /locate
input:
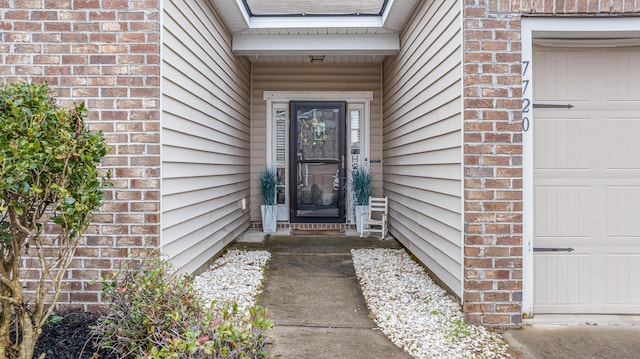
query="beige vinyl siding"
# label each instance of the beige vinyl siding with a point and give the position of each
(311, 77)
(205, 135)
(422, 139)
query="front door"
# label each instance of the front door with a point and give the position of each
(317, 162)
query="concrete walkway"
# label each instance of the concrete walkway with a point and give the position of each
(577, 336)
(315, 300)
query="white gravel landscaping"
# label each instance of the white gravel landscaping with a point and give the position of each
(234, 277)
(415, 313)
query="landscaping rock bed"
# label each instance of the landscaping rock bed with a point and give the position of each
(415, 313)
(236, 277)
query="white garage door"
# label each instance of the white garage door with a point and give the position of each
(587, 180)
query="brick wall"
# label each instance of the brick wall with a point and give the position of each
(493, 149)
(107, 54)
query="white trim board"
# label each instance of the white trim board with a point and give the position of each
(318, 95)
(326, 44)
(462, 154)
(553, 28)
(355, 100)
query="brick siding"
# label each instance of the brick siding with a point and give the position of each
(107, 54)
(493, 149)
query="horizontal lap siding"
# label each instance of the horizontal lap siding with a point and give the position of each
(205, 135)
(310, 77)
(422, 139)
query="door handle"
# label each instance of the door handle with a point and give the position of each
(553, 249)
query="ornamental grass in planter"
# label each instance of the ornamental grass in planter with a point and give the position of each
(361, 186)
(269, 188)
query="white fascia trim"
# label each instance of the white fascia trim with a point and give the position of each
(559, 28)
(278, 96)
(365, 44)
(387, 11)
(245, 15)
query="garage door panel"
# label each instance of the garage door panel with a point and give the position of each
(562, 211)
(623, 273)
(622, 74)
(620, 202)
(562, 143)
(562, 68)
(622, 143)
(563, 280)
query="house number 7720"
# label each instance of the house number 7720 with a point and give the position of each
(526, 101)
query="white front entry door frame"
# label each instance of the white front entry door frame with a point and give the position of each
(358, 105)
(603, 32)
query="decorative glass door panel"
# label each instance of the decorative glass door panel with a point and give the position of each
(317, 162)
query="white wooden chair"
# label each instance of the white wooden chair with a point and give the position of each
(375, 220)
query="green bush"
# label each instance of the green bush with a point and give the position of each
(49, 186)
(154, 312)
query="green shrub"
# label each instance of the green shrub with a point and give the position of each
(49, 186)
(154, 312)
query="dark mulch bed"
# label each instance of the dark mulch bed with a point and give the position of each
(70, 338)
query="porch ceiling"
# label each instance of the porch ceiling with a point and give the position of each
(285, 35)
